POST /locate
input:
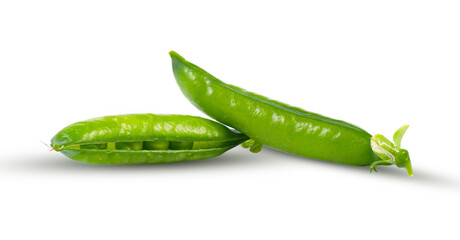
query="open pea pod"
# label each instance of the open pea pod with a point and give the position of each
(145, 138)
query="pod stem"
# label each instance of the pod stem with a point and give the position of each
(391, 153)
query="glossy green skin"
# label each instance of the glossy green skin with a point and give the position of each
(213, 138)
(273, 123)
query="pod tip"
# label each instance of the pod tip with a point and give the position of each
(174, 54)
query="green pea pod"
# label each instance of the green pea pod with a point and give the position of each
(278, 125)
(145, 138)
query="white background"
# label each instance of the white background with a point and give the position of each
(376, 64)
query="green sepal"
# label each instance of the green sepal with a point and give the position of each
(391, 153)
(253, 146)
(399, 134)
(248, 143)
(256, 147)
(381, 162)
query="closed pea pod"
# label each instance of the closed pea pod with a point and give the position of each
(145, 138)
(283, 127)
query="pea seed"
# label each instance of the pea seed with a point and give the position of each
(128, 145)
(94, 146)
(179, 145)
(156, 145)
